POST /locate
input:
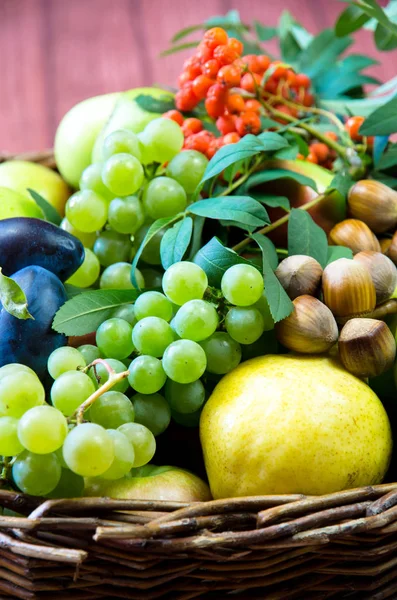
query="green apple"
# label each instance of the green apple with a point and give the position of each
(14, 204)
(80, 127)
(152, 483)
(19, 175)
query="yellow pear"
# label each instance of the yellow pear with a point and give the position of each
(293, 424)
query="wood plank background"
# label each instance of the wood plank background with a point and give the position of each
(54, 53)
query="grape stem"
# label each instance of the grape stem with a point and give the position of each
(113, 379)
(281, 221)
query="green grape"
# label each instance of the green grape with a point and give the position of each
(9, 441)
(126, 215)
(153, 304)
(263, 306)
(89, 352)
(64, 359)
(42, 429)
(172, 325)
(163, 197)
(19, 391)
(196, 320)
(121, 141)
(184, 281)
(123, 174)
(113, 338)
(151, 252)
(70, 390)
(223, 353)
(111, 247)
(187, 168)
(126, 312)
(146, 374)
(87, 239)
(152, 335)
(152, 278)
(142, 440)
(242, 285)
(124, 455)
(13, 368)
(162, 139)
(87, 274)
(70, 486)
(187, 420)
(103, 374)
(87, 211)
(244, 324)
(118, 277)
(88, 450)
(152, 411)
(111, 410)
(91, 179)
(184, 361)
(185, 398)
(36, 474)
(59, 453)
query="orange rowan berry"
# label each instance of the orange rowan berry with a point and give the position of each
(311, 157)
(249, 82)
(320, 150)
(204, 53)
(264, 62)
(191, 126)
(214, 37)
(219, 91)
(252, 63)
(254, 105)
(331, 135)
(198, 141)
(300, 156)
(225, 54)
(183, 78)
(192, 66)
(279, 72)
(248, 122)
(210, 68)
(235, 103)
(214, 106)
(174, 115)
(236, 45)
(201, 85)
(229, 75)
(308, 99)
(225, 124)
(231, 138)
(271, 86)
(302, 80)
(185, 99)
(283, 109)
(352, 127)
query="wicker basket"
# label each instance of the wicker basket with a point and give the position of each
(338, 546)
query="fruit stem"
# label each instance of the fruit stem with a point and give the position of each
(281, 221)
(241, 179)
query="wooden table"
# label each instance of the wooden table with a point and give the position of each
(55, 53)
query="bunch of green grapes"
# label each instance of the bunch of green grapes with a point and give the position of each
(123, 193)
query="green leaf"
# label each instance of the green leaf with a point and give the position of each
(269, 251)
(342, 83)
(198, 224)
(185, 32)
(342, 182)
(50, 213)
(385, 39)
(73, 290)
(279, 302)
(305, 237)
(388, 159)
(347, 106)
(375, 11)
(273, 201)
(179, 47)
(350, 20)
(215, 258)
(386, 179)
(382, 121)
(335, 252)
(264, 34)
(357, 62)
(155, 105)
(322, 52)
(273, 174)
(13, 298)
(85, 312)
(380, 144)
(289, 153)
(230, 20)
(249, 146)
(151, 232)
(175, 242)
(241, 209)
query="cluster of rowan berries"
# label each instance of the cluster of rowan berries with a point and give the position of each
(320, 153)
(218, 74)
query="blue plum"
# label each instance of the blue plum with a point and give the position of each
(26, 241)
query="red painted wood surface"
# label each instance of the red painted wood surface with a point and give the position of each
(54, 53)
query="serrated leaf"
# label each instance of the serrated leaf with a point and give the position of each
(151, 232)
(179, 47)
(269, 251)
(350, 20)
(289, 153)
(241, 209)
(49, 212)
(336, 252)
(215, 258)
(155, 105)
(375, 11)
(279, 302)
(72, 290)
(322, 51)
(305, 237)
(263, 33)
(380, 144)
(13, 298)
(274, 174)
(175, 242)
(274, 201)
(85, 312)
(383, 121)
(343, 82)
(342, 182)
(179, 35)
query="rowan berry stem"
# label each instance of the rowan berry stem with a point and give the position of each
(279, 222)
